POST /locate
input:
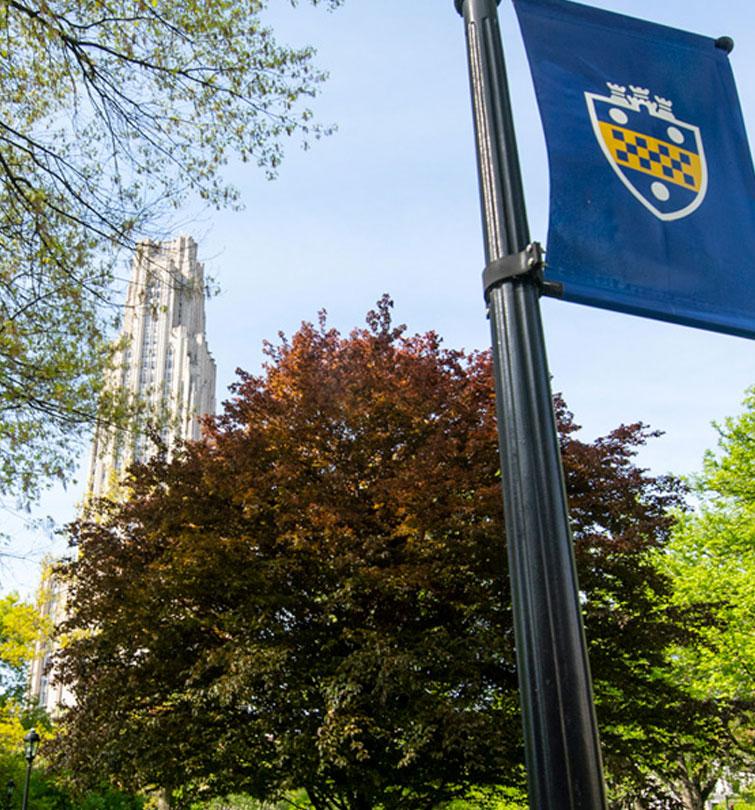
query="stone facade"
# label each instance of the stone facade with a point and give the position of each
(164, 361)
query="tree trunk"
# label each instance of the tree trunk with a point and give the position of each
(690, 795)
(694, 785)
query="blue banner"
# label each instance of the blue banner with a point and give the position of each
(652, 206)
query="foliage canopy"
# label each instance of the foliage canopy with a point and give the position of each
(712, 561)
(111, 113)
(316, 595)
(21, 626)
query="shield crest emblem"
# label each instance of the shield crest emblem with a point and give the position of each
(659, 158)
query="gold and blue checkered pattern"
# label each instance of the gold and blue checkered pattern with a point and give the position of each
(646, 154)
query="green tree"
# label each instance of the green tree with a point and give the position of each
(293, 801)
(664, 746)
(711, 560)
(111, 113)
(316, 596)
(710, 564)
(20, 628)
(53, 791)
(704, 740)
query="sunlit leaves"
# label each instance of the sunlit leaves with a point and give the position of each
(316, 596)
(712, 562)
(20, 628)
(111, 112)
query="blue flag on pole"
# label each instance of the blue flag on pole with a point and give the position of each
(652, 206)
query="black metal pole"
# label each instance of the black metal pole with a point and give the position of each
(562, 749)
(25, 800)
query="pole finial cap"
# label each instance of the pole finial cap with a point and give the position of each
(725, 44)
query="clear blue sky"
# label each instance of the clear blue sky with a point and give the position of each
(390, 204)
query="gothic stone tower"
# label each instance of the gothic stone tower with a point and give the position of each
(163, 362)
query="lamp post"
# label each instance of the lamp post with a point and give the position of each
(9, 788)
(31, 744)
(562, 751)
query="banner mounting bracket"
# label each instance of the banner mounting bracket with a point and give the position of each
(529, 262)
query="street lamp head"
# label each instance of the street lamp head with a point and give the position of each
(31, 744)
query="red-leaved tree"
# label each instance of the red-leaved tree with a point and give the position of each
(315, 596)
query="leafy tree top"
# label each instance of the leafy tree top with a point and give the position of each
(111, 113)
(712, 563)
(315, 595)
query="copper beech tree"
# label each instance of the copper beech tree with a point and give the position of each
(315, 596)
